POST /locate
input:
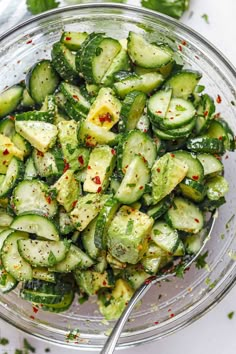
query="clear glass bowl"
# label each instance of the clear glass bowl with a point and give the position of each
(171, 305)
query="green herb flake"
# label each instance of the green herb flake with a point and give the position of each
(83, 299)
(28, 346)
(47, 350)
(4, 341)
(201, 260)
(70, 149)
(52, 259)
(179, 270)
(130, 185)
(129, 227)
(180, 108)
(18, 351)
(73, 335)
(205, 18)
(230, 315)
(227, 225)
(36, 6)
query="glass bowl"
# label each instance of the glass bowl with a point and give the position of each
(171, 305)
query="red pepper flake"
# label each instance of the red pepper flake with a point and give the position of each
(5, 152)
(141, 187)
(11, 117)
(81, 160)
(172, 315)
(158, 170)
(156, 322)
(183, 42)
(104, 283)
(105, 118)
(171, 118)
(220, 138)
(76, 97)
(196, 178)
(217, 115)
(205, 113)
(172, 155)
(159, 112)
(68, 38)
(196, 220)
(35, 309)
(29, 41)
(145, 130)
(32, 317)
(18, 62)
(169, 310)
(180, 48)
(96, 180)
(113, 151)
(40, 153)
(89, 167)
(197, 57)
(226, 157)
(99, 189)
(218, 99)
(74, 203)
(49, 199)
(66, 166)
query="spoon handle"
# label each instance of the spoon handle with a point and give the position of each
(116, 332)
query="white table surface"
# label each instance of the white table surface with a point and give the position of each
(214, 333)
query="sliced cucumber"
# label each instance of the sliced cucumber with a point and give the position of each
(193, 190)
(44, 274)
(183, 83)
(41, 135)
(65, 224)
(195, 168)
(3, 235)
(63, 60)
(165, 237)
(211, 165)
(158, 105)
(39, 116)
(173, 134)
(48, 163)
(179, 113)
(33, 196)
(30, 170)
(61, 306)
(148, 55)
(157, 210)
(219, 129)
(132, 109)
(145, 83)
(27, 100)
(9, 99)
(43, 253)
(12, 261)
(42, 80)
(73, 94)
(38, 297)
(206, 144)
(143, 123)
(36, 224)
(217, 187)
(88, 241)
(120, 62)
(103, 222)
(7, 127)
(14, 174)
(135, 143)
(21, 144)
(73, 40)
(7, 282)
(91, 135)
(185, 216)
(133, 184)
(74, 259)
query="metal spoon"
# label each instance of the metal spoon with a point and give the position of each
(112, 340)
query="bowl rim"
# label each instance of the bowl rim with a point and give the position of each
(232, 69)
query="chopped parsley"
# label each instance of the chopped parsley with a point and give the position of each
(129, 227)
(52, 259)
(201, 260)
(179, 270)
(47, 350)
(180, 108)
(230, 315)
(205, 18)
(28, 346)
(4, 341)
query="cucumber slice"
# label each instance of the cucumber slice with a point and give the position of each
(88, 242)
(133, 184)
(14, 173)
(148, 55)
(74, 259)
(183, 83)
(132, 109)
(185, 216)
(145, 83)
(5, 219)
(30, 170)
(135, 277)
(61, 306)
(173, 134)
(91, 135)
(38, 297)
(192, 190)
(135, 143)
(211, 165)
(9, 99)
(36, 224)
(73, 40)
(65, 224)
(39, 116)
(48, 164)
(206, 144)
(7, 282)
(33, 197)
(195, 168)
(151, 264)
(165, 237)
(193, 243)
(219, 129)
(217, 187)
(7, 127)
(157, 210)
(73, 94)
(158, 105)
(103, 222)
(63, 60)
(205, 111)
(12, 261)
(143, 123)
(3, 236)
(44, 274)
(41, 135)
(27, 100)
(43, 253)
(179, 113)
(212, 205)
(120, 62)
(42, 80)
(21, 144)
(90, 282)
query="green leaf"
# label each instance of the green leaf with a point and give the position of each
(201, 260)
(205, 18)
(173, 8)
(52, 259)
(38, 6)
(4, 341)
(28, 346)
(231, 315)
(179, 270)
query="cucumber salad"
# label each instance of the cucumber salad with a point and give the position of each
(110, 158)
